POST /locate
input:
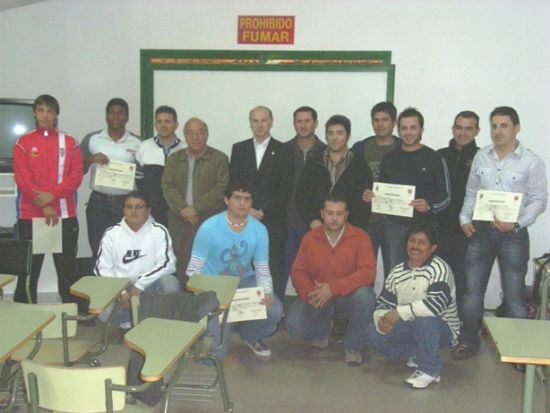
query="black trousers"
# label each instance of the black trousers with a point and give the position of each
(277, 236)
(65, 263)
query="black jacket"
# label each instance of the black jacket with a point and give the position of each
(315, 184)
(459, 163)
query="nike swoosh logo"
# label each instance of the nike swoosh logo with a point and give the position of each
(126, 260)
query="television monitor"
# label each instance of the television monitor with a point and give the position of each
(16, 119)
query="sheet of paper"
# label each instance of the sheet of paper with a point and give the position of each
(246, 305)
(497, 204)
(115, 174)
(46, 239)
(393, 199)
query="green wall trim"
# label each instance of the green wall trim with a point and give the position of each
(255, 60)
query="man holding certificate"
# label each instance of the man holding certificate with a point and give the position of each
(333, 274)
(413, 186)
(233, 242)
(506, 192)
(110, 155)
(48, 171)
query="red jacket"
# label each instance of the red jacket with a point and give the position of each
(44, 162)
(347, 267)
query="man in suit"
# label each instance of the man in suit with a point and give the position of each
(267, 165)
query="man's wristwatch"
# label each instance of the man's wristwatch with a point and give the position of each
(516, 227)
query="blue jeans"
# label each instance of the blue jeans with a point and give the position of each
(167, 284)
(511, 249)
(419, 338)
(303, 320)
(395, 245)
(102, 211)
(250, 331)
(375, 229)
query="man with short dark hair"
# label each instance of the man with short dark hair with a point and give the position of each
(140, 249)
(333, 274)
(373, 149)
(335, 170)
(508, 166)
(151, 158)
(266, 164)
(416, 310)
(114, 143)
(412, 163)
(233, 242)
(48, 171)
(193, 183)
(302, 146)
(459, 156)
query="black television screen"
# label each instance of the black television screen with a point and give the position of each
(16, 119)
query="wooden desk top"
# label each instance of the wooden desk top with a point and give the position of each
(5, 279)
(18, 326)
(519, 340)
(223, 285)
(162, 342)
(100, 291)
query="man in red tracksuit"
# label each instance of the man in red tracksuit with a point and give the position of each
(48, 171)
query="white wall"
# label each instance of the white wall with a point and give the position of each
(450, 56)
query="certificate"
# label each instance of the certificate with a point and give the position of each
(246, 305)
(46, 239)
(119, 175)
(501, 205)
(393, 199)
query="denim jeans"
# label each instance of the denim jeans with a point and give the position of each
(167, 284)
(303, 320)
(395, 245)
(250, 331)
(375, 229)
(419, 338)
(511, 249)
(102, 211)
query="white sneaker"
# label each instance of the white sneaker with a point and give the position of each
(320, 343)
(420, 380)
(259, 348)
(411, 362)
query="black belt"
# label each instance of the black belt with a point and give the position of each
(109, 197)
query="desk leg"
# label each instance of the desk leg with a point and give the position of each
(528, 388)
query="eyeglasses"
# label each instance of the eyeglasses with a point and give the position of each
(135, 207)
(463, 128)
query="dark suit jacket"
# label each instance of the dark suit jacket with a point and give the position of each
(272, 182)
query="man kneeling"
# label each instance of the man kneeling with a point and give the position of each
(140, 249)
(416, 311)
(333, 273)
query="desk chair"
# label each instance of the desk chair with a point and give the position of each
(103, 389)
(60, 343)
(200, 386)
(5, 279)
(16, 259)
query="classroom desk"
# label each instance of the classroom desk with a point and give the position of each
(162, 342)
(18, 327)
(223, 285)
(100, 291)
(5, 279)
(522, 341)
